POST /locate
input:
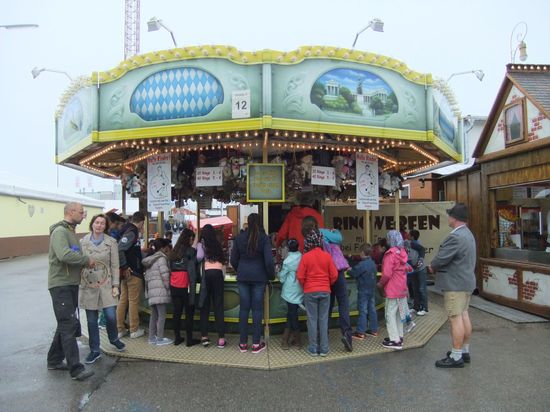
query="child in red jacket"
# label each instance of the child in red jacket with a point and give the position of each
(316, 273)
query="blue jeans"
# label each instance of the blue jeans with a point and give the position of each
(251, 297)
(339, 290)
(423, 288)
(366, 305)
(93, 329)
(317, 320)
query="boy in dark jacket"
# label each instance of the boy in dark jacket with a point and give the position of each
(365, 273)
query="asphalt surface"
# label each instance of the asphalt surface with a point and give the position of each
(510, 370)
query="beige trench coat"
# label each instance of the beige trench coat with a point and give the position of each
(96, 284)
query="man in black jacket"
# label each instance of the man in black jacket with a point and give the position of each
(131, 275)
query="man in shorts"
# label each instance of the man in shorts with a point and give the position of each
(455, 267)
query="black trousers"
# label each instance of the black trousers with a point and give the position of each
(339, 290)
(64, 346)
(214, 287)
(180, 299)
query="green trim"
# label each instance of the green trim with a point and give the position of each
(180, 129)
(81, 145)
(348, 129)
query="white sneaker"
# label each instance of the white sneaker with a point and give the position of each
(152, 340)
(164, 341)
(122, 333)
(421, 312)
(410, 327)
(137, 333)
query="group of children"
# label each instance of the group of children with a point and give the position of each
(307, 278)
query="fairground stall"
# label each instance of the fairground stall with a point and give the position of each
(265, 127)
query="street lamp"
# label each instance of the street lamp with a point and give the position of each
(521, 33)
(375, 24)
(36, 72)
(18, 26)
(155, 24)
(478, 73)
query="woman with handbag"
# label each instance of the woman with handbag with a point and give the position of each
(251, 257)
(99, 286)
(210, 250)
(183, 280)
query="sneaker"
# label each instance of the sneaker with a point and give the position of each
(164, 341)
(410, 327)
(258, 347)
(392, 345)
(192, 342)
(465, 357)
(92, 357)
(347, 343)
(421, 313)
(388, 339)
(102, 327)
(152, 340)
(243, 347)
(449, 362)
(371, 333)
(138, 333)
(314, 354)
(358, 335)
(119, 345)
(122, 333)
(61, 366)
(412, 311)
(83, 375)
(205, 342)
(221, 343)
(323, 354)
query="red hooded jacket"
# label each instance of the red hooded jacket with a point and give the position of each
(292, 226)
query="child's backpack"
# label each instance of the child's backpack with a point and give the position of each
(338, 257)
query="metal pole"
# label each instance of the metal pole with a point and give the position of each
(366, 226)
(396, 212)
(160, 224)
(266, 227)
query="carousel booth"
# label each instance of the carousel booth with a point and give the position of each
(262, 127)
(508, 191)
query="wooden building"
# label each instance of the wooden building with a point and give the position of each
(508, 193)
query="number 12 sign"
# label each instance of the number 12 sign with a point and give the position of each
(240, 104)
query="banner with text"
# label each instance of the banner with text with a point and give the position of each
(159, 185)
(367, 181)
(429, 218)
(208, 176)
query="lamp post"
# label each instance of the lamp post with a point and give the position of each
(520, 30)
(155, 24)
(36, 72)
(478, 73)
(375, 24)
(18, 26)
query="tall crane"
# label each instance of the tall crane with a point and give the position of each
(131, 28)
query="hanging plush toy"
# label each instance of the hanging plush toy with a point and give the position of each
(307, 165)
(338, 163)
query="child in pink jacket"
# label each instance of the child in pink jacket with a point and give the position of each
(394, 282)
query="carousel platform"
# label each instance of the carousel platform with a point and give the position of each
(273, 357)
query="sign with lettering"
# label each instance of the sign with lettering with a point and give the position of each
(265, 182)
(208, 176)
(367, 181)
(429, 218)
(159, 184)
(240, 104)
(323, 176)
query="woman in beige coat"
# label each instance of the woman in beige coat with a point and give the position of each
(99, 285)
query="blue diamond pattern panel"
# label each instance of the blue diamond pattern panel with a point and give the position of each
(176, 93)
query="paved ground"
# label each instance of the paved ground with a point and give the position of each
(509, 370)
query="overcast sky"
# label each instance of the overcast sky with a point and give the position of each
(79, 37)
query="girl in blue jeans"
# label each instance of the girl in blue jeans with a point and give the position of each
(251, 257)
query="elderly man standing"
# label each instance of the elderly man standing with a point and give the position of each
(455, 264)
(65, 263)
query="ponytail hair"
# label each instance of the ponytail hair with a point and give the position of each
(253, 233)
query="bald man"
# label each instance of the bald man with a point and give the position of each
(66, 260)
